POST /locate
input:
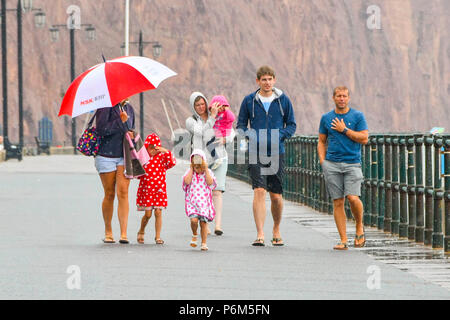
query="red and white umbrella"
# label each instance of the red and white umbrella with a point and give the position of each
(108, 83)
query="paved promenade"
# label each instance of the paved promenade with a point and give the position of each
(51, 247)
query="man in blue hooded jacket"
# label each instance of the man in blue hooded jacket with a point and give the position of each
(271, 116)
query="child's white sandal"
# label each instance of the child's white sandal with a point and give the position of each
(194, 243)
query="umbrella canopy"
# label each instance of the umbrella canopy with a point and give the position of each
(108, 83)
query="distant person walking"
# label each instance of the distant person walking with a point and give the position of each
(341, 133)
(152, 191)
(112, 124)
(270, 110)
(198, 183)
(201, 126)
(224, 134)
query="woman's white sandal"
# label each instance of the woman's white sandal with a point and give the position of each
(204, 247)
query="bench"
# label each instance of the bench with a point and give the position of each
(42, 146)
(13, 151)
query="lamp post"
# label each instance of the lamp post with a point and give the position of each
(4, 73)
(39, 19)
(157, 50)
(90, 33)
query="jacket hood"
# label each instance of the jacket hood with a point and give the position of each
(198, 152)
(152, 139)
(194, 96)
(278, 93)
(220, 99)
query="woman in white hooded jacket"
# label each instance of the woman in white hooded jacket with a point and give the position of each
(200, 125)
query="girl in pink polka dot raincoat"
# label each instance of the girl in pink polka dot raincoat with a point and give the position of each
(152, 193)
(198, 183)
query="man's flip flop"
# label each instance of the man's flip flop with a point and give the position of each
(108, 240)
(341, 246)
(124, 241)
(258, 243)
(276, 242)
(362, 244)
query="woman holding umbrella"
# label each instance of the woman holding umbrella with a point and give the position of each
(100, 88)
(112, 124)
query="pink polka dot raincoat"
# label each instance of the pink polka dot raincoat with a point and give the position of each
(198, 195)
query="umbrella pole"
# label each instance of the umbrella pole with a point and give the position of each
(72, 78)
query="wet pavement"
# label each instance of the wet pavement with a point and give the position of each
(51, 209)
(426, 263)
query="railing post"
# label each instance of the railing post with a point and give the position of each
(373, 176)
(308, 172)
(420, 190)
(294, 169)
(447, 193)
(311, 170)
(381, 184)
(287, 185)
(428, 231)
(395, 187)
(323, 193)
(437, 236)
(387, 185)
(403, 226)
(368, 189)
(411, 190)
(316, 186)
(303, 170)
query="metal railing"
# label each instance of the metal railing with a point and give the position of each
(406, 188)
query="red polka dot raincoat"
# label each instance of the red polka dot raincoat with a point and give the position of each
(152, 187)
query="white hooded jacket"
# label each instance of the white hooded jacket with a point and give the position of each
(202, 131)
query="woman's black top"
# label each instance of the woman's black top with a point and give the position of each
(112, 130)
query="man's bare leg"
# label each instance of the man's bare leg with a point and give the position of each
(340, 218)
(357, 210)
(277, 211)
(259, 210)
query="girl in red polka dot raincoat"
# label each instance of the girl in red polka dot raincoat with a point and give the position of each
(152, 194)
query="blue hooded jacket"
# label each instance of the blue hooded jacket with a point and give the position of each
(279, 116)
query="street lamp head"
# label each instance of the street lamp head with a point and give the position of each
(54, 32)
(157, 49)
(90, 31)
(27, 5)
(39, 19)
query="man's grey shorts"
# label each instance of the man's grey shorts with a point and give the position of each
(342, 179)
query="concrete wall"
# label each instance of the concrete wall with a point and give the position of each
(31, 151)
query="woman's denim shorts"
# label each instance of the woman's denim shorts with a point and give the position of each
(104, 164)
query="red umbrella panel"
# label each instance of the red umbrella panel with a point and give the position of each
(106, 84)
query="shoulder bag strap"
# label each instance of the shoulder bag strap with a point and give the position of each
(92, 120)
